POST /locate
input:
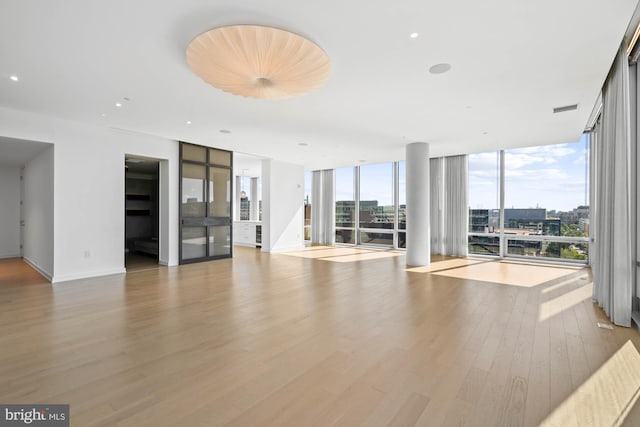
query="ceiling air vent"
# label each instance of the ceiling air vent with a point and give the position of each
(565, 108)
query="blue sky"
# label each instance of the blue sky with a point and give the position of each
(549, 176)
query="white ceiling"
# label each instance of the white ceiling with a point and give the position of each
(18, 152)
(511, 63)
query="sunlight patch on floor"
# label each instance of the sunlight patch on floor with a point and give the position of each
(606, 398)
(325, 251)
(445, 265)
(509, 273)
(365, 256)
(562, 284)
(555, 306)
(344, 254)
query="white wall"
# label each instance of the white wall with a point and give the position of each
(89, 191)
(282, 206)
(9, 212)
(38, 212)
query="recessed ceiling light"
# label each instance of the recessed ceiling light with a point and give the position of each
(303, 144)
(14, 78)
(414, 35)
(440, 68)
(225, 131)
(118, 104)
(188, 122)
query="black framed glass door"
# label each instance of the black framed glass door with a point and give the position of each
(205, 203)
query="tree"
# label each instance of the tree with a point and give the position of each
(571, 230)
(571, 253)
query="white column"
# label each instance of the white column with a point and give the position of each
(253, 212)
(418, 238)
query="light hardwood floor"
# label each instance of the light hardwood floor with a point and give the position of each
(304, 339)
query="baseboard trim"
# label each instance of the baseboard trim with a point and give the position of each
(33, 265)
(10, 256)
(87, 275)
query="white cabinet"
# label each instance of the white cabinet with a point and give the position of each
(247, 233)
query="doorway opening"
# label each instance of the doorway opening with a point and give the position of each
(142, 213)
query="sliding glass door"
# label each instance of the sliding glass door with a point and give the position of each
(205, 203)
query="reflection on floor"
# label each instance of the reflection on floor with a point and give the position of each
(16, 271)
(137, 262)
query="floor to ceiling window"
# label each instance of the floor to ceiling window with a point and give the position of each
(542, 210)
(345, 205)
(377, 207)
(402, 204)
(484, 203)
(246, 198)
(378, 192)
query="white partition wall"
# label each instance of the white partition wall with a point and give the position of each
(9, 212)
(282, 206)
(38, 208)
(87, 223)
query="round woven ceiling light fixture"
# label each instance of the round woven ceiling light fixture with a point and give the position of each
(258, 62)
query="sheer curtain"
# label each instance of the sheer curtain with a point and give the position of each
(456, 206)
(323, 213)
(449, 205)
(436, 204)
(612, 215)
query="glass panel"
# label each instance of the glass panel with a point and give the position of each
(484, 203)
(307, 205)
(374, 238)
(484, 192)
(194, 152)
(402, 197)
(259, 198)
(345, 198)
(194, 242)
(245, 198)
(345, 236)
(546, 193)
(402, 239)
(484, 245)
(193, 190)
(219, 192)
(219, 240)
(376, 196)
(219, 157)
(560, 250)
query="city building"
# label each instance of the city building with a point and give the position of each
(524, 214)
(479, 220)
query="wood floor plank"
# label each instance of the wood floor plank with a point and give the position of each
(304, 339)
